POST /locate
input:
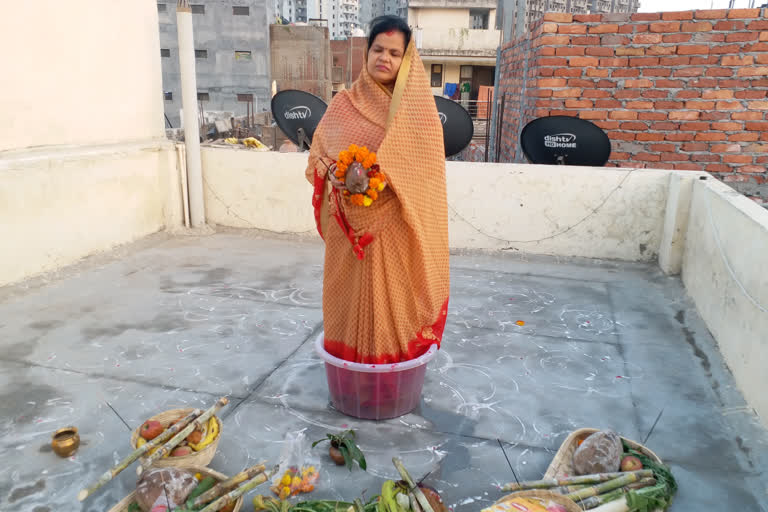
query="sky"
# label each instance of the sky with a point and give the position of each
(690, 5)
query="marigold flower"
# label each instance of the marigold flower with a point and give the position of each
(346, 157)
(353, 148)
(381, 187)
(367, 201)
(356, 199)
(374, 182)
(369, 161)
(373, 194)
(362, 154)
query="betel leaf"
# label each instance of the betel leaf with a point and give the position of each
(347, 456)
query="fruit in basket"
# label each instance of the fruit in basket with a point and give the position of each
(599, 453)
(210, 434)
(181, 451)
(169, 485)
(151, 429)
(433, 497)
(631, 463)
(195, 437)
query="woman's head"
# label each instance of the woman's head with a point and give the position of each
(387, 41)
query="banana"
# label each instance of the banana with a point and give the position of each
(212, 431)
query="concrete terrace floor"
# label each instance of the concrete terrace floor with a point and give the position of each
(173, 322)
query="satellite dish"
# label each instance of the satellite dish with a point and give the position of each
(457, 125)
(297, 114)
(565, 140)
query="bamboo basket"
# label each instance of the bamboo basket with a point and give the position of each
(569, 505)
(562, 463)
(126, 502)
(195, 459)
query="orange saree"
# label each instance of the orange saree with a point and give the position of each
(385, 289)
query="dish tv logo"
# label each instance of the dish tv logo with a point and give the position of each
(443, 117)
(300, 112)
(560, 140)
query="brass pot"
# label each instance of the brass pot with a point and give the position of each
(65, 441)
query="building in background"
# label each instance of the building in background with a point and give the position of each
(300, 58)
(369, 9)
(348, 56)
(232, 50)
(518, 14)
(343, 17)
(457, 42)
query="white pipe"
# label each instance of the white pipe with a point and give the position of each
(189, 104)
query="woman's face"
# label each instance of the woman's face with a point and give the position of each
(385, 56)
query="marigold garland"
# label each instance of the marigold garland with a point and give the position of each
(377, 181)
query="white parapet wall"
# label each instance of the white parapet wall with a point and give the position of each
(724, 270)
(569, 211)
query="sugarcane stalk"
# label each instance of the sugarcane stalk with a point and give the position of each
(604, 487)
(594, 501)
(572, 480)
(175, 440)
(420, 498)
(566, 489)
(227, 485)
(234, 494)
(415, 507)
(138, 452)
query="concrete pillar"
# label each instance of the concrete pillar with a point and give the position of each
(676, 221)
(189, 104)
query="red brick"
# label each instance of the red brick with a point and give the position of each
(569, 51)
(628, 29)
(663, 147)
(694, 146)
(605, 28)
(578, 104)
(704, 83)
(737, 159)
(572, 29)
(585, 40)
(542, 93)
(717, 94)
(614, 62)
(693, 49)
(619, 156)
(603, 84)
(747, 116)
(676, 38)
(762, 159)
(621, 136)
(744, 137)
(622, 115)
(756, 148)
(598, 51)
(669, 84)
(706, 158)
(587, 18)
(656, 72)
(729, 105)
(730, 26)
(713, 136)
(634, 52)
(661, 50)
(718, 168)
(639, 105)
(634, 125)
(549, 28)
(715, 116)
(688, 72)
(558, 17)
(710, 14)
(647, 157)
(599, 73)
(752, 168)
(646, 39)
(673, 157)
(592, 114)
(641, 83)
(709, 38)
(655, 93)
(542, 112)
(728, 48)
(743, 13)
(705, 61)
(701, 105)
(726, 148)
(625, 94)
(668, 105)
(551, 82)
(549, 103)
(727, 126)
(688, 94)
(687, 167)
(625, 73)
(583, 61)
(694, 126)
(553, 61)
(683, 115)
(699, 26)
(567, 93)
(580, 82)
(643, 61)
(608, 125)
(650, 136)
(594, 93)
(758, 25)
(720, 72)
(657, 116)
(646, 16)
(741, 37)
(546, 51)
(753, 71)
(677, 15)
(670, 26)
(735, 60)
(569, 113)
(757, 126)
(607, 103)
(762, 58)
(614, 40)
(568, 72)
(757, 83)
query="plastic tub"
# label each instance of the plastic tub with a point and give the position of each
(374, 391)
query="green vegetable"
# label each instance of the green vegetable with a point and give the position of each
(204, 485)
(657, 496)
(134, 507)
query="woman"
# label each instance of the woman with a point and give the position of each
(385, 290)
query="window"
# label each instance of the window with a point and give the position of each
(465, 73)
(238, 10)
(203, 96)
(478, 19)
(337, 74)
(242, 55)
(162, 8)
(165, 52)
(198, 8)
(201, 54)
(437, 75)
(168, 96)
(245, 97)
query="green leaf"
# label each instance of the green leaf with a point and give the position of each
(318, 442)
(347, 456)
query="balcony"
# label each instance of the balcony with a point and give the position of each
(457, 42)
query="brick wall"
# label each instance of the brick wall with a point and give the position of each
(673, 90)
